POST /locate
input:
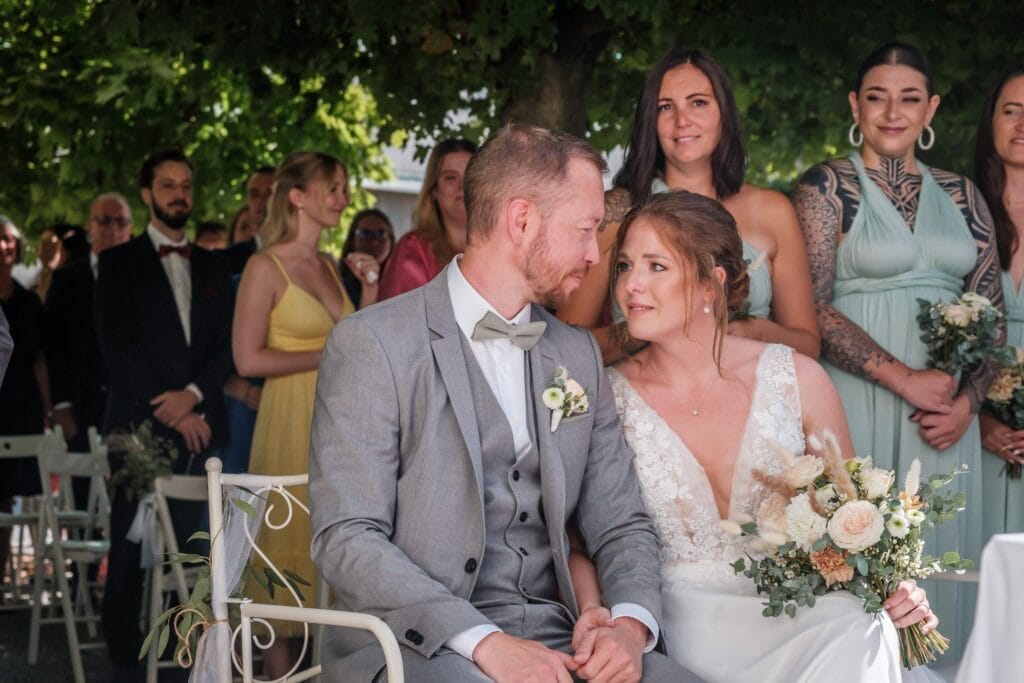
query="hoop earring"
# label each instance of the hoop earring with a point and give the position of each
(707, 307)
(855, 141)
(931, 138)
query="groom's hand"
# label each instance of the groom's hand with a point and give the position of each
(584, 633)
(615, 652)
(506, 658)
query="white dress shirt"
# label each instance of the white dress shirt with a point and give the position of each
(504, 367)
(179, 275)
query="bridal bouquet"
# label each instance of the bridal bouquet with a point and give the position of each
(1005, 400)
(830, 524)
(960, 334)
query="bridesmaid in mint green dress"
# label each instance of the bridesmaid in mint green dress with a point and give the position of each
(999, 168)
(687, 136)
(884, 230)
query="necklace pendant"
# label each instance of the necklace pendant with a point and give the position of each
(695, 413)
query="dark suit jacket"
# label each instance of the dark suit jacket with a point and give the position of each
(77, 372)
(144, 345)
(238, 254)
(6, 346)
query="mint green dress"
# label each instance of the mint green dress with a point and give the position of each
(1004, 497)
(882, 269)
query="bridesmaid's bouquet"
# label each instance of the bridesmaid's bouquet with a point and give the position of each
(830, 524)
(1005, 400)
(960, 334)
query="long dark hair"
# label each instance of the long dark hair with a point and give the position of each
(644, 158)
(989, 171)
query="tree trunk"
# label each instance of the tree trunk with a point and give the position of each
(559, 100)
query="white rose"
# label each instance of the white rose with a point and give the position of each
(1005, 383)
(771, 515)
(898, 525)
(957, 315)
(804, 471)
(803, 525)
(856, 525)
(553, 398)
(875, 481)
(975, 300)
(730, 527)
(915, 517)
(573, 387)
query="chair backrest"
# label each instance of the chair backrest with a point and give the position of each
(27, 445)
(175, 487)
(55, 461)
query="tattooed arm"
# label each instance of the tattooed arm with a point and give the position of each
(985, 278)
(820, 211)
(586, 304)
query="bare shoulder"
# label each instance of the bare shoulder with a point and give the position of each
(811, 376)
(764, 206)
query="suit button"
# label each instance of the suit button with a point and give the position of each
(414, 637)
(523, 517)
(470, 565)
(515, 475)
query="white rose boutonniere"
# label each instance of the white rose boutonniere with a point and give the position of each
(564, 397)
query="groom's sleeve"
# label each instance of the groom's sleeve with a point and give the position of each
(353, 478)
(613, 522)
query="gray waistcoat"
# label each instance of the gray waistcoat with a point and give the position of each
(517, 564)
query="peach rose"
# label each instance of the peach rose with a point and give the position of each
(804, 471)
(856, 525)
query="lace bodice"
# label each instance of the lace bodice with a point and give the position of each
(676, 490)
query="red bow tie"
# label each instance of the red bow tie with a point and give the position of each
(185, 250)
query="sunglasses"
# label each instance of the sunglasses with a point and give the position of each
(105, 220)
(365, 234)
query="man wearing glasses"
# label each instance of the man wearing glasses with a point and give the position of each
(78, 376)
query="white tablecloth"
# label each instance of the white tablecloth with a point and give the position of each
(995, 653)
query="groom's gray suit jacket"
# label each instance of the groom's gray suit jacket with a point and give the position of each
(397, 486)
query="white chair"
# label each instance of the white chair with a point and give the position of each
(25, 520)
(53, 546)
(178, 579)
(233, 532)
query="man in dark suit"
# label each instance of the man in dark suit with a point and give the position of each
(78, 376)
(257, 194)
(163, 316)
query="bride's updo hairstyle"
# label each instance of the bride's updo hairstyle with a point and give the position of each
(703, 235)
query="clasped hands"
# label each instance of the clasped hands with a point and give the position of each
(175, 409)
(606, 651)
(942, 416)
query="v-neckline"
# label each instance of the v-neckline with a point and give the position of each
(686, 452)
(868, 185)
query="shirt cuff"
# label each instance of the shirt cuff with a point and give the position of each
(195, 390)
(629, 609)
(63, 405)
(464, 643)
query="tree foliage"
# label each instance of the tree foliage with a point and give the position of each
(87, 88)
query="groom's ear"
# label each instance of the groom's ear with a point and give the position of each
(517, 219)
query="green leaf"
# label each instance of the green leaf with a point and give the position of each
(165, 635)
(199, 536)
(791, 610)
(244, 507)
(296, 578)
(147, 642)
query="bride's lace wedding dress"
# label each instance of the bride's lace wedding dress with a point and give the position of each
(711, 616)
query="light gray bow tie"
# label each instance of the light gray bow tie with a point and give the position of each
(524, 336)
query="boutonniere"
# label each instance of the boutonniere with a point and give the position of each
(565, 397)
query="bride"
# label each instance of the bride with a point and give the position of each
(699, 410)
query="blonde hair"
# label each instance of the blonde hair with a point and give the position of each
(299, 170)
(426, 216)
(704, 236)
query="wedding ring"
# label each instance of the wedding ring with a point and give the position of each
(371, 277)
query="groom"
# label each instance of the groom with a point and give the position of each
(440, 494)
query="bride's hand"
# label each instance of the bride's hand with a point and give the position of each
(908, 605)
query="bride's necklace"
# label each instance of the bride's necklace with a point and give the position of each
(696, 409)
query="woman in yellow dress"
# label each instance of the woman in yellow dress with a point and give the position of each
(289, 299)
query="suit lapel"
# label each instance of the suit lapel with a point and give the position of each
(543, 361)
(157, 288)
(451, 363)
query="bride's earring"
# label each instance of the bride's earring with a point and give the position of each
(707, 307)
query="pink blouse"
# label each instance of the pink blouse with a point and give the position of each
(412, 264)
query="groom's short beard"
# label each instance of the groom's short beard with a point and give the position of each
(546, 279)
(174, 221)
